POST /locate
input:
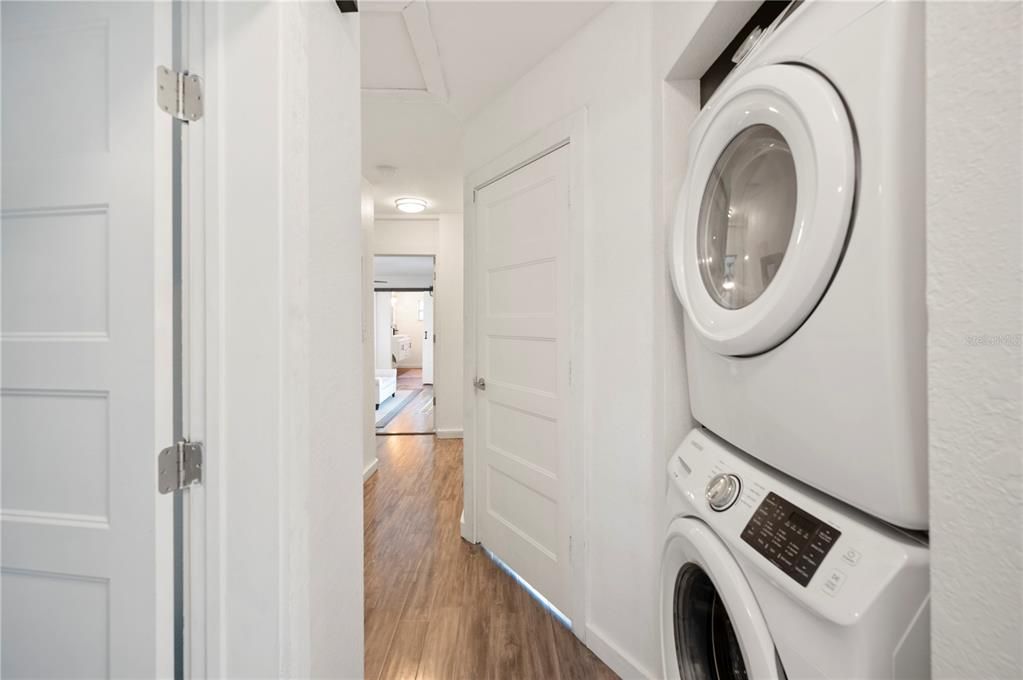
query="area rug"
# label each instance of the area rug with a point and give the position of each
(393, 405)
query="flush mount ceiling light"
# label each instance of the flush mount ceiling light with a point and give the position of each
(410, 204)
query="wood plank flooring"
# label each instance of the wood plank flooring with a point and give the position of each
(438, 608)
(417, 415)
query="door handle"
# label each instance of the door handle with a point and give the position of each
(480, 384)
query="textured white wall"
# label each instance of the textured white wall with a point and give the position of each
(974, 116)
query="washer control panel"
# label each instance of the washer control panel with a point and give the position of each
(790, 538)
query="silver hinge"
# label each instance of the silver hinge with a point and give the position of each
(179, 466)
(179, 94)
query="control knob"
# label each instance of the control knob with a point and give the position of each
(723, 491)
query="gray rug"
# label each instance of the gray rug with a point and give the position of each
(392, 406)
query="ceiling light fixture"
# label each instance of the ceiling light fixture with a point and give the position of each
(410, 205)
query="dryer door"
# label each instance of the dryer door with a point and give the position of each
(711, 626)
(765, 210)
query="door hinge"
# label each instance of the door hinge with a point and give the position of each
(179, 94)
(179, 466)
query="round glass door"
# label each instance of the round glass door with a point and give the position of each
(765, 210)
(705, 641)
(746, 216)
(701, 586)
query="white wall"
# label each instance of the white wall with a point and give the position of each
(974, 284)
(687, 38)
(606, 68)
(440, 236)
(283, 571)
(448, 319)
(369, 336)
(383, 317)
(408, 236)
(406, 318)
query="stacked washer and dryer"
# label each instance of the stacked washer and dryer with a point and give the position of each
(795, 545)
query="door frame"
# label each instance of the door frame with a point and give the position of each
(261, 510)
(411, 252)
(429, 341)
(568, 132)
(200, 340)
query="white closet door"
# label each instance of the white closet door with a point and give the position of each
(523, 321)
(86, 401)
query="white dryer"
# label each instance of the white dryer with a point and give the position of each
(765, 578)
(798, 254)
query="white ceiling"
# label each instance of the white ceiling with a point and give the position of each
(428, 65)
(422, 139)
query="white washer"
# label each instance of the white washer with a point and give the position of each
(798, 254)
(782, 581)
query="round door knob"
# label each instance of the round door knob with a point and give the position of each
(723, 491)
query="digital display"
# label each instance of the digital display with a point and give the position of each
(792, 540)
(801, 524)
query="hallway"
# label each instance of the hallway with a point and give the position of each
(437, 607)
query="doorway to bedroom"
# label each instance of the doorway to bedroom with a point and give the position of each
(404, 344)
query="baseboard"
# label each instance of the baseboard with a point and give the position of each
(621, 663)
(449, 434)
(368, 471)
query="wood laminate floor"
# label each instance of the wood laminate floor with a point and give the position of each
(438, 608)
(417, 415)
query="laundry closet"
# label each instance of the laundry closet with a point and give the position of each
(797, 511)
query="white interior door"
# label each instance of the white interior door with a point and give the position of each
(428, 341)
(86, 385)
(523, 326)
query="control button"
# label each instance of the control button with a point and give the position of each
(825, 536)
(851, 556)
(834, 583)
(723, 491)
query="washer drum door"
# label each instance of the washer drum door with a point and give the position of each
(711, 626)
(765, 209)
